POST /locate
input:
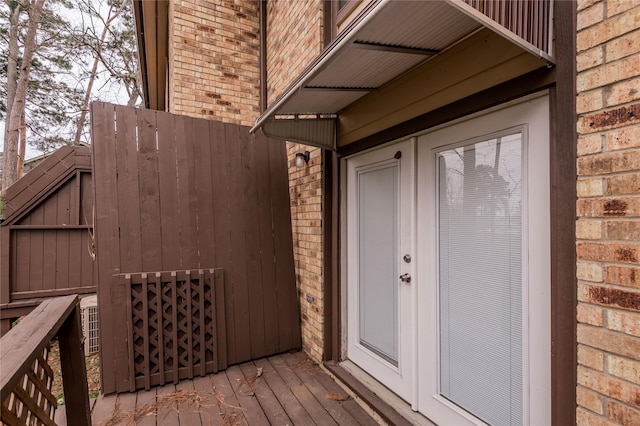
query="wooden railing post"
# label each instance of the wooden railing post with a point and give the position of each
(74, 371)
(26, 376)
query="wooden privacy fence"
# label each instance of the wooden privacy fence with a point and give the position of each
(179, 195)
(46, 245)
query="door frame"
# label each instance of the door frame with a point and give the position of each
(415, 398)
(407, 358)
(563, 154)
(531, 114)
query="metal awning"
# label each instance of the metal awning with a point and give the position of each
(387, 39)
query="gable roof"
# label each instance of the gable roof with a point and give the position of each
(44, 179)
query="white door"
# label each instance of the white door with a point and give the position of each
(380, 238)
(483, 264)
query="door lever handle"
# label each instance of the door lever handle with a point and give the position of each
(405, 278)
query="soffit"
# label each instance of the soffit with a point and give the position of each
(396, 39)
(385, 41)
(152, 31)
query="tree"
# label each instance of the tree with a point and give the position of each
(56, 53)
(37, 68)
(114, 50)
(54, 95)
(17, 92)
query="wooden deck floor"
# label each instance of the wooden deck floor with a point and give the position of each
(286, 389)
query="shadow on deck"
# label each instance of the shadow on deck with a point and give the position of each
(286, 389)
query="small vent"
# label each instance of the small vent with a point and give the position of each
(89, 309)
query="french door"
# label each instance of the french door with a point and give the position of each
(471, 213)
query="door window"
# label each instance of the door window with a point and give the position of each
(480, 277)
(380, 186)
(378, 254)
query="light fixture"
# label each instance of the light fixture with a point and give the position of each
(302, 158)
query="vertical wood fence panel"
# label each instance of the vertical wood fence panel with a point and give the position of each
(194, 247)
(110, 305)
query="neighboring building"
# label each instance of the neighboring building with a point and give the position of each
(32, 162)
(47, 211)
(452, 144)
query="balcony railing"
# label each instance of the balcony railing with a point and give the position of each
(26, 378)
(528, 19)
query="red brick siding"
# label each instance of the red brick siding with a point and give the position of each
(608, 209)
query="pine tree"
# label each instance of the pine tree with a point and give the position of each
(38, 64)
(55, 55)
(17, 88)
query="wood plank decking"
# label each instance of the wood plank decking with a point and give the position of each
(286, 389)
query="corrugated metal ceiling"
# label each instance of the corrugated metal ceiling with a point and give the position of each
(387, 40)
(420, 24)
(427, 25)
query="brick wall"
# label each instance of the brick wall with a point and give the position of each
(214, 60)
(608, 224)
(294, 39)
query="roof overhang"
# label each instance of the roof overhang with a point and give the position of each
(153, 36)
(386, 40)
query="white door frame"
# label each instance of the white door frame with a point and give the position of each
(533, 117)
(400, 378)
(425, 355)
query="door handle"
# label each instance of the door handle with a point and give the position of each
(405, 278)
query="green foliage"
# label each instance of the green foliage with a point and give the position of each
(52, 96)
(3, 205)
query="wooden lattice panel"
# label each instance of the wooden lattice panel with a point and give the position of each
(31, 402)
(174, 319)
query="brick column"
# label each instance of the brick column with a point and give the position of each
(305, 193)
(608, 224)
(294, 39)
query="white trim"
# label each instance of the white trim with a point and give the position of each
(532, 109)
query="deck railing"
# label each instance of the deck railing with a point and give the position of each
(529, 19)
(26, 377)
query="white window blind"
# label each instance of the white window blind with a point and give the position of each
(378, 254)
(480, 273)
